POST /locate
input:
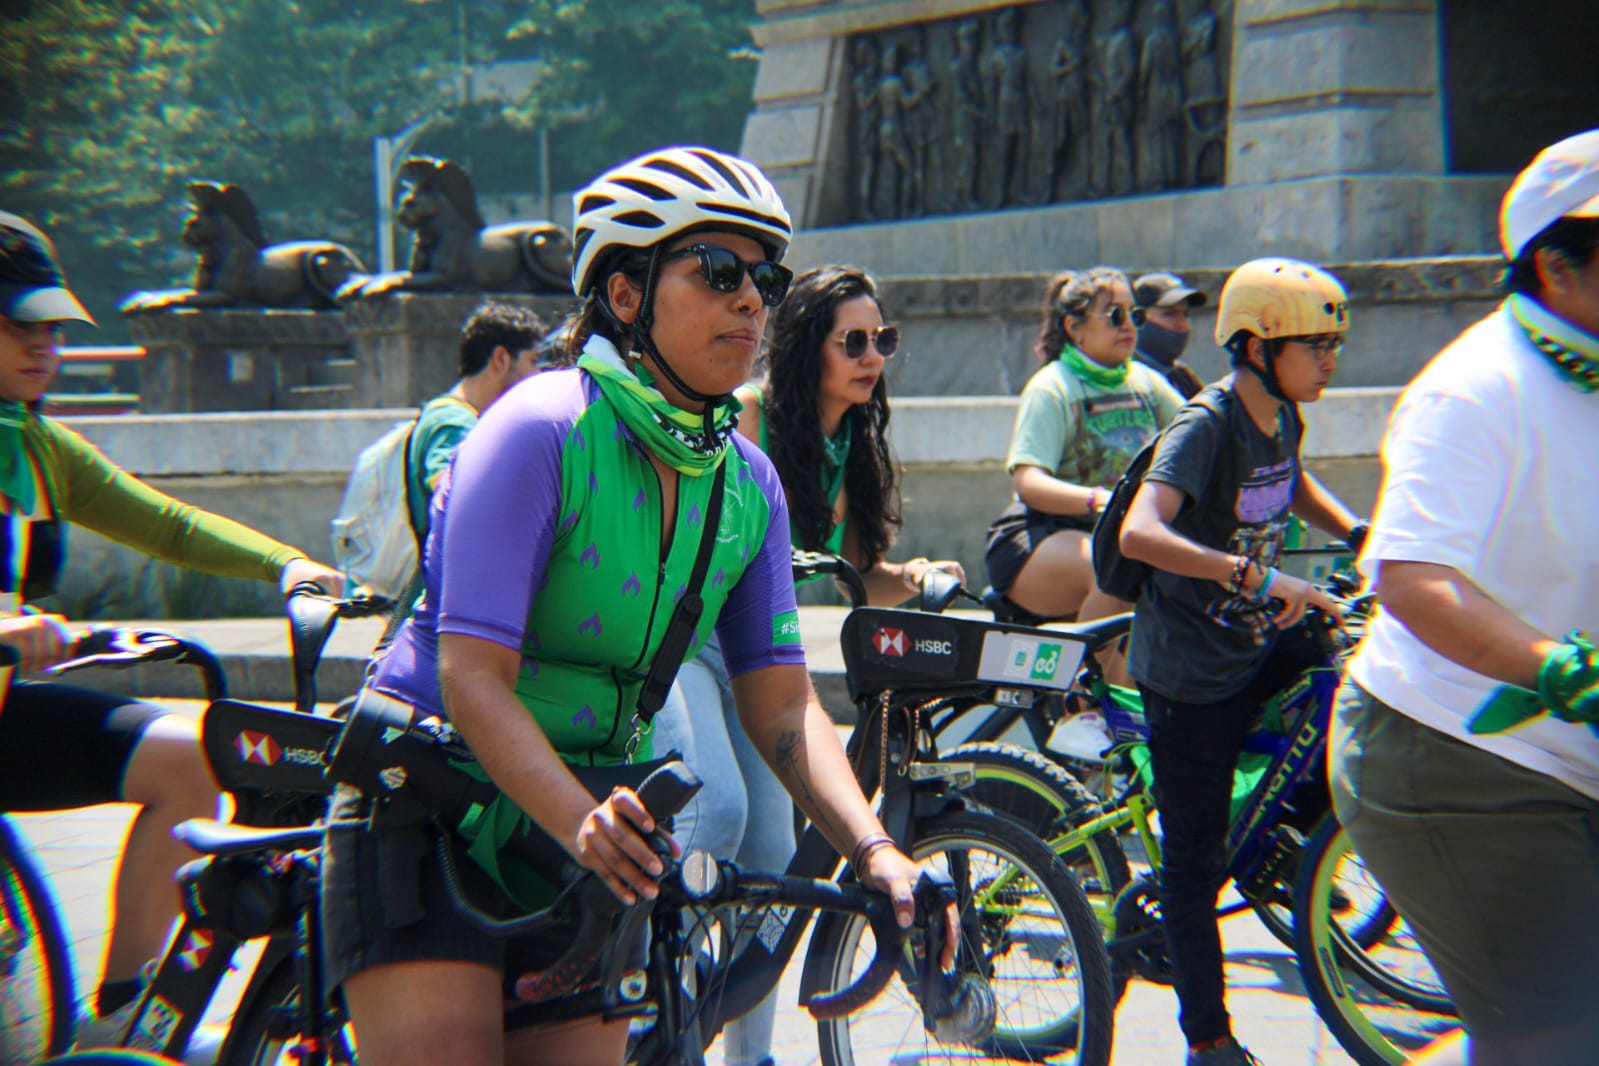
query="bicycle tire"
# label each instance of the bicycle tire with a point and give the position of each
(1373, 999)
(1022, 877)
(111, 1057)
(1043, 797)
(264, 1030)
(37, 998)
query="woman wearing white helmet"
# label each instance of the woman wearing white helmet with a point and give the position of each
(1211, 637)
(573, 511)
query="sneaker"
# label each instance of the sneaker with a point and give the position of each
(1082, 736)
(1228, 1053)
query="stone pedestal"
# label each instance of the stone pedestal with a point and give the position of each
(235, 360)
(405, 345)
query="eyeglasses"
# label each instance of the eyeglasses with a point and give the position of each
(724, 272)
(1118, 315)
(884, 338)
(1323, 346)
(26, 331)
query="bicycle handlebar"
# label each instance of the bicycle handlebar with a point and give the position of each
(118, 647)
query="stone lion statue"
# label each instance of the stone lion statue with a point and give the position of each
(452, 249)
(238, 268)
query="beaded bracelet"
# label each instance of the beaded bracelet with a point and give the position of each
(868, 846)
(1241, 566)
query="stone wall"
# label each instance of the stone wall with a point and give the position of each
(284, 473)
(974, 335)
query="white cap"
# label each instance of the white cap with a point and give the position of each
(1562, 182)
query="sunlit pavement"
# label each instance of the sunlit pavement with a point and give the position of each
(1271, 1014)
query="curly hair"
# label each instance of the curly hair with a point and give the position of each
(496, 325)
(1069, 295)
(800, 328)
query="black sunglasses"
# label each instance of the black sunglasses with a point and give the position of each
(1118, 315)
(884, 338)
(724, 272)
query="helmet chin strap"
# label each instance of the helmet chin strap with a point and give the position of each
(1268, 376)
(638, 336)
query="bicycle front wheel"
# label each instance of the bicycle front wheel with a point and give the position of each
(1028, 937)
(36, 993)
(1364, 972)
(266, 1031)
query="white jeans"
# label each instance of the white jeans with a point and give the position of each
(743, 813)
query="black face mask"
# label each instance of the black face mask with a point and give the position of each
(1162, 344)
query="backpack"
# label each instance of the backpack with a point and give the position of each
(374, 543)
(1115, 574)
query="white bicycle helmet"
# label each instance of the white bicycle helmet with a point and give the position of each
(671, 191)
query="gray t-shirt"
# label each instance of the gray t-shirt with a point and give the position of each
(1193, 641)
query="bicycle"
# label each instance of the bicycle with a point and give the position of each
(37, 996)
(1017, 904)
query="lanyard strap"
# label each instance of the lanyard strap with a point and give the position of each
(685, 618)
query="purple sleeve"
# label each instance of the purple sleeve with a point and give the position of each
(500, 514)
(759, 624)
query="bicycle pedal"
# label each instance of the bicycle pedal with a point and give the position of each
(1282, 846)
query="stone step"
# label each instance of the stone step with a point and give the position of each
(330, 397)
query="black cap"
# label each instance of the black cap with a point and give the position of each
(1164, 290)
(32, 287)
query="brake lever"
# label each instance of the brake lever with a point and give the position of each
(113, 647)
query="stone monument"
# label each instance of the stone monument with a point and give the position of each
(1163, 134)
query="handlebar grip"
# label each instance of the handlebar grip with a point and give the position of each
(668, 790)
(934, 892)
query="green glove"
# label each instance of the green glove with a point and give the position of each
(1568, 688)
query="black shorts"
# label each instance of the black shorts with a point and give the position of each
(63, 747)
(1016, 534)
(384, 901)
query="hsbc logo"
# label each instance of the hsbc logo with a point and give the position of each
(889, 642)
(935, 647)
(258, 748)
(195, 950)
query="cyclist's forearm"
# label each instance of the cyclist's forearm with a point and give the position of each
(1317, 505)
(1445, 610)
(797, 739)
(1042, 491)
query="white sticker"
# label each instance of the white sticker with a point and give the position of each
(772, 926)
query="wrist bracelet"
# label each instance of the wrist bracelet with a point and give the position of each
(1266, 583)
(1241, 565)
(866, 847)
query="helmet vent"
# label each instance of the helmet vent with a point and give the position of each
(644, 188)
(739, 212)
(666, 166)
(641, 219)
(593, 202)
(727, 172)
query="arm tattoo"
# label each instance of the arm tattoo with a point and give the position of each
(789, 746)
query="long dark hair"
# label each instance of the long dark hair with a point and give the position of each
(800, 329)
(1069, 294)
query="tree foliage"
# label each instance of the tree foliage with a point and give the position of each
(108, 107)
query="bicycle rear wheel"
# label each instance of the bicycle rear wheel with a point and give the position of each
(1364, 972)
(36, 988)
(1028, 936)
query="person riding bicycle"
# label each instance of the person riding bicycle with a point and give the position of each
(1208, 642)
(1084, 415)
(571, 515)
(64, 747)
(1484, 557)
(822, 418)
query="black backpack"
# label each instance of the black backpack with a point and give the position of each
(1115, 574)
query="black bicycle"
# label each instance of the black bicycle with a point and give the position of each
(37, 985)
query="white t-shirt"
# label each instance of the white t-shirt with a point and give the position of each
(1490, 467)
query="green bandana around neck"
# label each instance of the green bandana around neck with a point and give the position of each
(1105, 377)
(1558, 341)
(670, 432)
(16, 472)
(836, 447)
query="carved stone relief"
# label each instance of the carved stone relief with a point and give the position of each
(1038, 103)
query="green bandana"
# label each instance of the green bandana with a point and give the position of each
(16, 473)
(1572, 352)
(836, 447)
(1105, 377)
(670, 432)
